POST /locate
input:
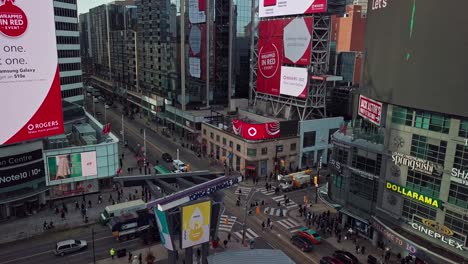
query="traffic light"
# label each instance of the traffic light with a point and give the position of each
(316, 180)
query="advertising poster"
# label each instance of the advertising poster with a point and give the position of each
(74, 188)
(297, 36)
(370, 109)
(294, 81)
(163, 227)
(194, 67)
(69, 166)
(30, 100)
(196, 224)
(256, 131)
(270, 50)
(272, 8)
(197, 11)
(197, 54)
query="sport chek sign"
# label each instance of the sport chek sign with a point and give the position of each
(30, 97)
(256, 131)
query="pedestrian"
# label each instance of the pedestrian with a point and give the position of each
(357, 249)
(77, 205)
(110, 198)
(263, 226)
(112, 252)
(229, 237)
(140, 258)
(225, 242)
(198, 255)
(363, 250)
(99, 199)
(268, 222)
(45, 225)
(339, 237)
(129, 256)
(62, 214)
(89, 203)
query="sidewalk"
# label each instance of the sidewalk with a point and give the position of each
(161, 253)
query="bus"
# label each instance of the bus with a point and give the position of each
(160, 169)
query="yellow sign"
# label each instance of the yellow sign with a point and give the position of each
(196, 224)
(413, 194)
(439, 228)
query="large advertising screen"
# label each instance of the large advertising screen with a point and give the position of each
(197, 50)
(256, 131)
(272, 8)
(284, 42)
(196, 224)
(197, 10)
(420, 59)
(163, 227)
(30, 100)
(69, 166)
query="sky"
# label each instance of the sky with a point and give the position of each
(85, 5)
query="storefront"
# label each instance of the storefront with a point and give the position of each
(74, 189)
(357, 224)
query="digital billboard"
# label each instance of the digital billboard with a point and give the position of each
(163, 228)
(30, 100)
(284, 42)
(416, 54)
(196, 224)
(69, 166)
(21, 166)
(256, 131)
(197, 10)
(197, 50)
(272, 8)
(370, 109)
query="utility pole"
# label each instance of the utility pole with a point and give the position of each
(247, 203)
(182, 52)
(177, 154)
(207, 52)
(94, 251)
(105, 113)
(94, 106)
(230, 50)
(123, 130)
(144, 149)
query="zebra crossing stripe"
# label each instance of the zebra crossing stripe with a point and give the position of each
(294, 231)
(249, 234)
(288, 223)
(222, 223)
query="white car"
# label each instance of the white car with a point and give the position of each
(179, 165)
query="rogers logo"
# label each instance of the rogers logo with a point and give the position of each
(43, 125)
(252, 131)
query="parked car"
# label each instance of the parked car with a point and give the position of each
(166, 157)
(330, 260)
(69, 246)
(302, 243)
(345, 257)
(310, 234)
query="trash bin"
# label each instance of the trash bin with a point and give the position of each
(121, 253)
(371, 259)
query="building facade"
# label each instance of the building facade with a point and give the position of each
(68, 48)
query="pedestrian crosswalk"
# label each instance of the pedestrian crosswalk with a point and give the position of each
(265, 192)
(275, 211)
(226, 222)
(243, 190)
(281, 199)
(249, 234)
(288, 223)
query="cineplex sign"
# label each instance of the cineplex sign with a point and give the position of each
(413, 194)
(437, 231)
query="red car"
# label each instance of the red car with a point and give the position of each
(312, 237)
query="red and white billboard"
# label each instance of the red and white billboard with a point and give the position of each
(272, 8)
(197, 10)
(30, 100)
(270, 51)
(294, 81)
(297, 36)
(256, 131)
(370, 109)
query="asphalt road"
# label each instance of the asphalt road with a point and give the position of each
(40, 249)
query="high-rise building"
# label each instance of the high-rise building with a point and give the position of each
(400, 171)
(68, 46)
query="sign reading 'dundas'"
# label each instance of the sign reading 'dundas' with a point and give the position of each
(30, 99)
(405, 191)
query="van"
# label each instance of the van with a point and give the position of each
(179, 165)
(69, 246)
(112, 211)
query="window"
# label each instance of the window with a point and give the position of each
(238, 147)
(338, 181)
(432, 121)
(224, 141)
(72, 92)
(70, 79)
(211, 135)
(340, 155)
(69, 67)
(65, 12)
(330, 134)
(238, 161)
(279, 148)
(204, 131)
(293, 147)
(363, 187)
(68, 53)
(309, 139)
(264, 151)
(423, 183)
(66, 26)
(463, 130)
(217, 138)
(458, 195)
(434, 152)
(461, 158)
(410, 208)
(67, 40)
(251, 152)
(366, 161)
(231, 144)
(402, 116)
(457, 223)
(67, 1)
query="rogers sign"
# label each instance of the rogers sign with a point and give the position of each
(256, 131)
(29, 75)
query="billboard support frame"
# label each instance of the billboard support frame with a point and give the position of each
(314, 106)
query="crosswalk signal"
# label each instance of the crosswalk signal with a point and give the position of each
(316, 181)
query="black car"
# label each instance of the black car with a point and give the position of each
(345, 257)
(301, 242)
(166, 157)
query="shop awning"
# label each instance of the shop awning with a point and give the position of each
(346, 212)
(250, 167)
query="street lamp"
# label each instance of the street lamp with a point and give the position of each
(245, 214)
(94, 251)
